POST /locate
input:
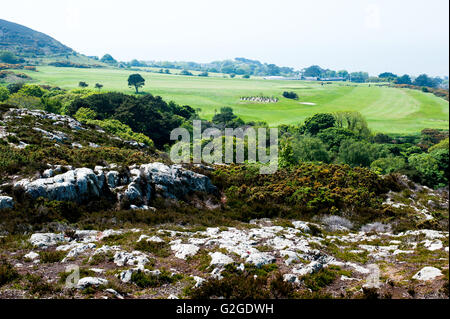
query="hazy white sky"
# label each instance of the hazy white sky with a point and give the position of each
(402, 36)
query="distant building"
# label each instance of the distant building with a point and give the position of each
(337, 78)
(310, 78)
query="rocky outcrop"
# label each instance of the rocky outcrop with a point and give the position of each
(75, 185)
(139, 185)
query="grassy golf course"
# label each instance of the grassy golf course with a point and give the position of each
(388, 110)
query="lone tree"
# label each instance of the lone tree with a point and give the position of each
(98, 86)
(137, 81)
(83, 84)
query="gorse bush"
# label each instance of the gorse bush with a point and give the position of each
(307, 187)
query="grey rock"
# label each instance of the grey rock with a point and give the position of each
(86, 282)
(6, 202)
(75, 185)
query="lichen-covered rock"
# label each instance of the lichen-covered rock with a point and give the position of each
(86, 282)
(218, 259)
(427, 273)
(260, 259)
(74, 185)
(81, 184)
(6, 202)
(183, 251)
(44, 240)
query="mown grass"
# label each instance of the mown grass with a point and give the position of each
(388, 110)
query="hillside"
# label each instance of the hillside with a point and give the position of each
(26, 42)
(73, 195)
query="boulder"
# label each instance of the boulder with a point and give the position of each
(218, 259)
(135, 258)
(44, 240)
(427, 273)
(6, 202)
(31, 255)
(260, 259)
(86, 282)
(183, 251)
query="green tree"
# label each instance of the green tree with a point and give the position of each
(32, 90)
(361, 153)
(424, 80)
(83, 84)
(388, 165)
(318, 122)
(137, 81)
(310, 149)
(334, 136)
(352, 121)
(98, 86)
(4, 94)
(8, 57)
(404, 79)
(107, 58)
(313, 71)
(225, 116)
(431, 167)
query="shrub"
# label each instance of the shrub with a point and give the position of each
(360, 153)
(37, 285)
(334, 223)
(388, 165)
(442, 145)
(376, 227)
(290, 95)
(185, 72)
(432, 167)
(7, 273)
(50, 257)
(119, 129)
(9, 57)
(32, 90)
(310, 149)
(319, 280)
(4, 94)
(155, 248)
(143, 280)
(84, 114)
(24, 101)
(333, 137)
(14, 87)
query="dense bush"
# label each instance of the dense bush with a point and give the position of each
(318, 123)
(32, 90)
(4, 94)
(361, 153)
(310, 149)
(304, 188)
(432, 167)
(388, 165)
(7, 273)
(290, 95)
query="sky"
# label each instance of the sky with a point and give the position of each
(399, 36)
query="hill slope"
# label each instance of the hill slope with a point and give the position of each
(27, 42)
